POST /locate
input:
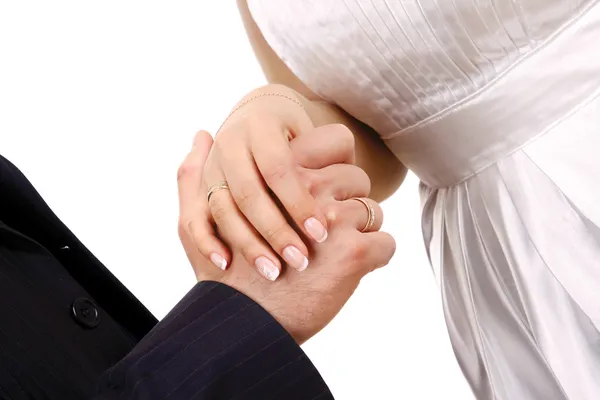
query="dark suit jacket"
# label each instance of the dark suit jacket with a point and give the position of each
(70, 330)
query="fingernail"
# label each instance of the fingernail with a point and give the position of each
(295, 258)
(316, 230)
(218, 261)
(267, 268)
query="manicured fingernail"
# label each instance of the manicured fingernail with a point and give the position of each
(218, 261)
(295, 258)
(267, 268)
(316, 230)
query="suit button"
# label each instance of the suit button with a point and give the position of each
(85, 313)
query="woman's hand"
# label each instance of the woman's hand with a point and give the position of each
(304, 303)
(251, 173)
(334, 186)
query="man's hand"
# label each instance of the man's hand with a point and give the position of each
(303, 302)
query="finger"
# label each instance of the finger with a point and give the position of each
(382, 247)
(360, 213)
(276, 164)
(239, 233)
(197, 259)
(189, 175)
(260, 209)
(339, 181)
(323, 146)
(371, 251)
(195, 222)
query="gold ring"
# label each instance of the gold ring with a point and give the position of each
(215, 188)
(370, 210)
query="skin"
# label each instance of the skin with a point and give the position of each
(372, 155)
(303, 303)
(267, 214)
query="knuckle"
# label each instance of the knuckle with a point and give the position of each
(345, 139)
(391, 246)
(355, 254)
(357, 184)
(188, 237)
(305, 177)
(364, 177)
(250, 251)
(245, 195)
(218, 209)
(277, 171)
(186, 168)
(275, 233)
(360, 179)
(359, 251)
(188, 231)
(314, 182)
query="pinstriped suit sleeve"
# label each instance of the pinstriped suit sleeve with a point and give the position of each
(215, 344)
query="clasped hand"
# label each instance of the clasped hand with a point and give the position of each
(291, 199)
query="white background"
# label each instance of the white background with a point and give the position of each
(99, 102)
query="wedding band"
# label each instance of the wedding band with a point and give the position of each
(370, 210)
(215, 188)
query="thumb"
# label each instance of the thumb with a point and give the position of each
(189, 175)
(203, 142)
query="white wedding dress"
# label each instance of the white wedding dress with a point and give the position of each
(494, 105)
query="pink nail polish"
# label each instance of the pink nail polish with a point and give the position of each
(295, 258)
(219, 261)
(315, 229)
(267, 268)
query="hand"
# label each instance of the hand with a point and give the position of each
(252, 156)
(303, 303)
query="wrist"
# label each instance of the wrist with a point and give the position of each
(279, 89)
(285, 102)
(269, 299)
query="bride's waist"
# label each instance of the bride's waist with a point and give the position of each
(516, 108)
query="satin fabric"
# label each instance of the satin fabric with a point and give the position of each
(494, 105)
